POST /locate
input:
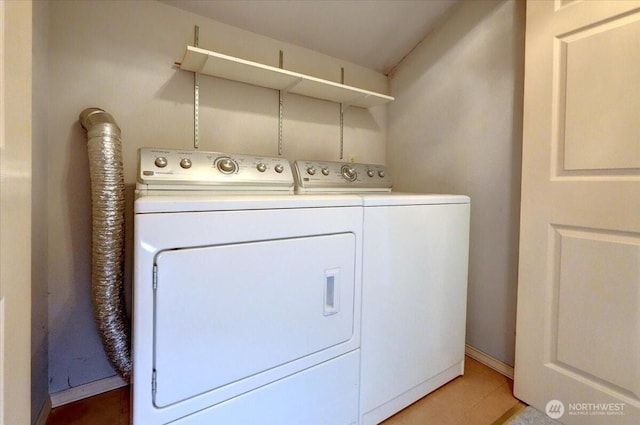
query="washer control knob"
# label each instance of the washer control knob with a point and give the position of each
(226, 165)
(311, 171)
(381, 173)
(186, 163)
(161, 162)
(325, 171)
(279, 168)
(370, 173)
(261, 167)
(349, 173)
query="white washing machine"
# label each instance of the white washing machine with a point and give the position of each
(247, 299)
(415, 261)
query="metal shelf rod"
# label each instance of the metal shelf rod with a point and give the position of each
(342, 118)
(280, 109)
(196, 96)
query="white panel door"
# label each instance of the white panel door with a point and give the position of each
(578, 324)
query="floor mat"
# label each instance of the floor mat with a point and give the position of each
(531, 416)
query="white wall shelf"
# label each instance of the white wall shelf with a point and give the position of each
(223, 66)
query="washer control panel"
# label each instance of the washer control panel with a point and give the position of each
(329, 176)
(160, 168)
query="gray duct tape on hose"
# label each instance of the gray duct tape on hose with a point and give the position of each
(107, 250)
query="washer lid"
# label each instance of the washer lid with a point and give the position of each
(399, 198)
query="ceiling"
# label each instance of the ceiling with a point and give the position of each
(376, 34)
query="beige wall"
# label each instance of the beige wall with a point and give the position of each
(455, 127)
(119, 55)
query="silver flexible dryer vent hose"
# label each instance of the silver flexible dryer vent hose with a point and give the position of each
(107, 251)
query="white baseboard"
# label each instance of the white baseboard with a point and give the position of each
(87, 390)
(489, 361)
(44, 412)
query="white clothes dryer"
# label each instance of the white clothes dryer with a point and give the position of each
(415, 261)
(247, 299)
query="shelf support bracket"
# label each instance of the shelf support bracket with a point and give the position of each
(291, 86)
(351, 102)
(196, 95)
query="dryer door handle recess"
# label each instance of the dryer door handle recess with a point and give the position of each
(331, 292)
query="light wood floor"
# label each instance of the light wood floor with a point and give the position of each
(481, 397)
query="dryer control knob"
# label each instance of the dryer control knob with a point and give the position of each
(279, 168)
(226, 165)
(381, 173)
(370, 173)
(261, 167)
(161, 162)
(311, 171)
(325, 171)
(185, 163)
(349, 173)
